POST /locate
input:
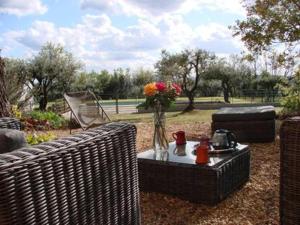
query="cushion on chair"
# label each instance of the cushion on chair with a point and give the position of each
(244, 113)
(11, 139)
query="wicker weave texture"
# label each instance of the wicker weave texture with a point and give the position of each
(249, 131)
(10, 123)
(88, 178)
(208, 185)
(290, 172)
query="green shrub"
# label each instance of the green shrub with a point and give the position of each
(291, 101)
(55, 120)
(35, 138)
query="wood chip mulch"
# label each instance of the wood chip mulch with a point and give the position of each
(255, 203)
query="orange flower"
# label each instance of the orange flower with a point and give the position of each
(150, 89)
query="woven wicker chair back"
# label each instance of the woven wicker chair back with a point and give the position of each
(10, 123)
(88, 178)
(290, 172)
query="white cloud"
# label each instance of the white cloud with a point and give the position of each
(141, 8)
(229, 6)
(101, 45)
(21, 7)
(154, 9)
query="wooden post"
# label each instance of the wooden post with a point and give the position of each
(117, 105)
(70, 123)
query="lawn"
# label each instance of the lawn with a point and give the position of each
(172, 117)
(136, 101)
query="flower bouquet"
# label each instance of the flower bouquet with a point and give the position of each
(159, 97)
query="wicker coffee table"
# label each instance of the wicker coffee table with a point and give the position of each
(182, 177)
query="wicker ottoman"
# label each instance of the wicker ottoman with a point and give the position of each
(249, 124)
(180, 176)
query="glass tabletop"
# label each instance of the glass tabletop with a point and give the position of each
(185, 154)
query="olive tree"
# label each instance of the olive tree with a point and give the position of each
(16, 71)
(4, 103)
(50, 66)
(186, 68)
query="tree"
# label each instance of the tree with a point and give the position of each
(186, 68)
(102, 81)
(225, 74)
(84, 81)
(140, 78)
(291, 101)
(269, 83)
(52, 65)
(269, 23)
(16, 71)
(120, 84)
(209, 87)
(243, 73)
(4, 103)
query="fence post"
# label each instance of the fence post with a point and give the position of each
(117, 105)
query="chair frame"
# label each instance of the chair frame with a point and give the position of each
(100, 108)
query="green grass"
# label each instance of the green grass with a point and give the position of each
(172, 117)
(184, 99)
(136, 101)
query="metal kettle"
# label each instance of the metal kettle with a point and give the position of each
(223, 139)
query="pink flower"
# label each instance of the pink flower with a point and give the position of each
(161, 86)
(177, 88)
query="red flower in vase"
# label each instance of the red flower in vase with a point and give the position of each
(177, 88)
(161, 86)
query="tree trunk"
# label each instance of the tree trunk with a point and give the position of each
(4, 104)
(42, 104)
(44, 100)
(226, 95)
(226, 92)
(190, 106)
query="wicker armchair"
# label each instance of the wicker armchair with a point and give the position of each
(87, 178)
(10, 123)
(290, 172)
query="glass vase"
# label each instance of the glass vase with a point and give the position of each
(160, 142)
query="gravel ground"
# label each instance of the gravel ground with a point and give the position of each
(255, 203)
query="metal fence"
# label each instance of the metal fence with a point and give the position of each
(261, 96)
(113, 105)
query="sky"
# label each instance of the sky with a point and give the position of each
(108, 34)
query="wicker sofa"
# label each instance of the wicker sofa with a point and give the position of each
(87, 178)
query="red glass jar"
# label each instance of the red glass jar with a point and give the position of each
(202, 151)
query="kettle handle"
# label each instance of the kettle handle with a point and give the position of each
(232, 139)
(174, 135)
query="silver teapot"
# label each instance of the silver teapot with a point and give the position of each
(223, 139)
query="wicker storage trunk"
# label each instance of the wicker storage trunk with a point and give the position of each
(290, 172)
(87, 178)
(249, 124)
